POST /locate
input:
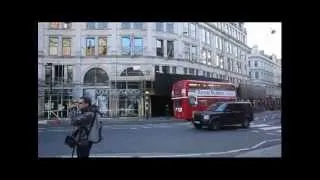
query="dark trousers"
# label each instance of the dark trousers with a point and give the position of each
(83, 151)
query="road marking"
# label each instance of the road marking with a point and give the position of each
(270, 128)
(42, 128)
(271, 133)
(39, 131)
(57, 130)
(146, 127)
(133, 128)
(259, 125)
(132, 155)
(279, 131)
(255, 131)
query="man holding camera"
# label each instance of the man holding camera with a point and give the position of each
(82, 117)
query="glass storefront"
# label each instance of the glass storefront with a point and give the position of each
(115, 102)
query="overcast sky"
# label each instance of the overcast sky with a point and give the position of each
(260, 34)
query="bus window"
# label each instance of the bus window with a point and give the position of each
(177, 103)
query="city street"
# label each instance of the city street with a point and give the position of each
(178, 139)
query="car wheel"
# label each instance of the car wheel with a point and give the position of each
(214, 125)
(246, 123)
(197, 126)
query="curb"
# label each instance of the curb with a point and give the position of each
(273, 151)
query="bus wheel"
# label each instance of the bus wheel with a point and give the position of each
(197, 126)
(214, 125)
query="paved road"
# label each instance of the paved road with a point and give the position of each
(167, 138)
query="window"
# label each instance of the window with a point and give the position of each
(208, 74)
(204, 56)
(165, 69)
(229, 64)
(186, 29)
(185, 70)
(69, 73)
(48, 74)
(159, 47)
(126, 45)
(203, 73)
(203, 35)
(102, 46)
(66, 25)
(66, 46)
(187, 51)
(58, 73)
(221, 62)
(156, 69)
(174, 70)
(191, 71)
(249, 63)
(138, 25)
(54, 25)
(193, 31)
(96, 76)
(193, 52)
(125, 25)
(217, 60)
(255, 63)
(170, 48)
(53, 46)
(159, 26)
(138, 46)
(197, 72)
(102, 25)
(207, 37)
(170, 27)
(91, 25)
(90, 47)
(216, 42)
(257, 75)
(220, 43)
(209, 60)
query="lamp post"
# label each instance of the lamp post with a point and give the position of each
(50, 90)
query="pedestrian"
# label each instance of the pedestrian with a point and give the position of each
(82, 121)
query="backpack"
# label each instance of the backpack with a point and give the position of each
(95, 129)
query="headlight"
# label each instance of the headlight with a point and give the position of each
(206, 117)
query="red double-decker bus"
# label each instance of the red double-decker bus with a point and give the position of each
(190, 96)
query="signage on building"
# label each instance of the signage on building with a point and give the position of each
(211, 92)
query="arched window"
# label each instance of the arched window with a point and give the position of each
(96, 76)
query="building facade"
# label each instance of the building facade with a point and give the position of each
(115, 63)
(265, 71)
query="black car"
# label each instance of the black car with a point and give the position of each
(228, 113)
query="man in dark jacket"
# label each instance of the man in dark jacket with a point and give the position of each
(82, 123)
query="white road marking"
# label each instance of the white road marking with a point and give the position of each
(39, 131)
(259, 125)
(255, 131)
(279, 131)
(271, 133)
(146, 127)
(57, 130)
(133, 128)
(130, 155)
(270, 128)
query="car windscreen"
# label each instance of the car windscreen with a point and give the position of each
(221, 107)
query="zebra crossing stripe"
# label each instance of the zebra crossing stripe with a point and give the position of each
(270, 128)
(259, 125)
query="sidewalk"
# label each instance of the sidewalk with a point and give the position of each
(133, 120)
(273, 151)
(137, 120)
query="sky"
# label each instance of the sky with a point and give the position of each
(260, 34)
